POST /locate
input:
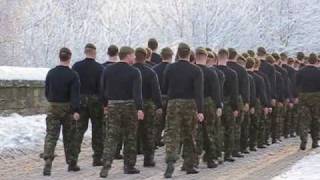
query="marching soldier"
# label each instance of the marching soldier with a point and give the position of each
(231, 109)
(166, 56)
(244, 99)
(62, 90)
(183, 82)
(212, 110)
(90, 106)
(308, 84)
(113, 52)
(123, 103)
(151, 103)
(153, 45)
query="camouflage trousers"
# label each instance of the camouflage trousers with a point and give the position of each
(274, 127)
(146, 129)
(180, 127)
(228, 122)
(282, 120)
(237, 127)
(121, 117)
(310, 113)
(245, 131)
(292, 121)
(59, 115)
(255, 126)
(160, 123)
(206, 132)
(90, 108)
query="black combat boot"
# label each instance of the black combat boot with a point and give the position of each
(169, 170)
(73, 166)
(149, 161)
(104, 171)
(47, 167)
(261, 146)
(315, 145)
(253, 149)
(97, 162)
(229, 159)
(303, 146)
(118, 156)
(237, 154)
(192, 170)
(212, 164)
(130, 170)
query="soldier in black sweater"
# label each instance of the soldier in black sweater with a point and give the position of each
(231, 100)
(153, 45)
(62, 90)
(166, 55)
(212, 110)
(244, 99)
(151, 95)
(113, 52)
(122, 98)
(183, 83)
(91, 108)
(308, 85)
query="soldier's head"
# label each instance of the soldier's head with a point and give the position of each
(192, 57)
(313, 59)
(290, 61)
(245, 55)
(276, 57)
(284, 57)
(232, 53)
(184, 51)
(126, 54)
(242, 61)
(166, 54)
(201, 55)
(261, 52)
(65, 55)
(212, 59)
(153, 44)
(141, 55)
(300, 56)
(257, 63)
(90, 51)
(149, 53)
(250, 64)
(223, 55)
(270, 59)
(251, 53)
(208, 49)
(113, 51)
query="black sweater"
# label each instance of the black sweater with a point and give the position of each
(230, 86)
(183, 80)
(150, 84)
(253, 96)
(222, 79)
(62, 85)
(286, 82)
(308, 79)
(156, 58)
(89, 72)
(243, 79)
(159, 69)
(121, 81)
(211, 85)
(292, 73)
(280, 87)
(260, 89)
(270, 71)
(268, 86)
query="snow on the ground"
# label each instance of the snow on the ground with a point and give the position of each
(23, 133)
(22, 73)
(307, 168)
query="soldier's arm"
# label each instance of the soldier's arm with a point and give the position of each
(198, 84)
(137, 90)
(75, 94)
(46, 90)
(156, 92)
(253, 97)
(244, 87)
(215, 84)
(272, 78)
(103, 90)
(234, 91)
(165, 79)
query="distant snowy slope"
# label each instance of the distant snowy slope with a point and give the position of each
(22, 73)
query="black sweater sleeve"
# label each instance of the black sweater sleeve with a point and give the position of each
(234, 92)
(156, 92)
(103, 90)
(75, 94)
(244, 87)
(216, 89)
(137, 90)
(198, 84)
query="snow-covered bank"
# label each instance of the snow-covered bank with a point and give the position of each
(305, 169)
(22, 73)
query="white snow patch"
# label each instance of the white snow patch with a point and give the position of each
(305, 169)
(22, 73)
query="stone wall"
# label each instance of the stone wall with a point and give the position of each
(22, 97)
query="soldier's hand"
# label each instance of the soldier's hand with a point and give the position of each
(105, 110)
(219, 112)
(235, 114)
(273, 102)
(270, 110)
(290, 105)
(266, 111)
(252, 111)
(140, 115)
(280, 104)
(200, 117)
(76, 116)
(159, 112)
(296, 101)
(246, 107)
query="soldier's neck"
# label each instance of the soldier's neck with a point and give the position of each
(113, 59)
(66, 64)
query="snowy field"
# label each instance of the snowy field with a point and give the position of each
(22, 73)
(20, 134)
(307, 168)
